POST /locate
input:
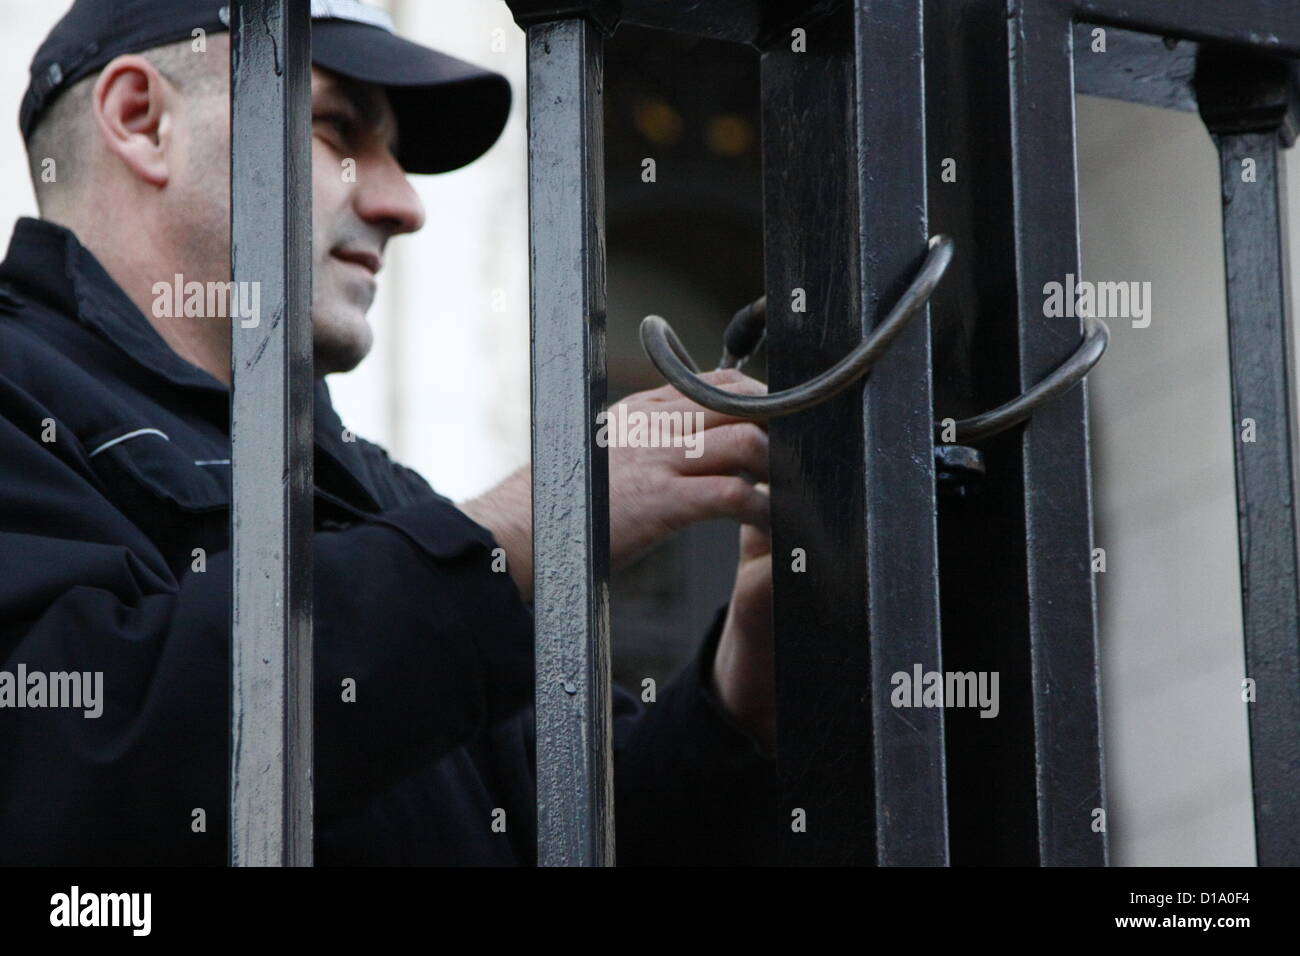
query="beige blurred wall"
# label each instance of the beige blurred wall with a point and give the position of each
(447, 387)
(1169, 610)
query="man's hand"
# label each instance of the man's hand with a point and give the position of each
(654, 492)
(744, 672)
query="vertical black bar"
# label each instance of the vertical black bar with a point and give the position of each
(992, 813)
(575, 804)
(1260, 339)
(823, 663)
(271, 436)
(1055, 466)
(852, 479)
(898, 462)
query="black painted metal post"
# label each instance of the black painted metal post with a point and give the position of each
(271, 436)
(575, 804)
(992, 815)
(1058, 506)
(897, 414)
(852, 479)
(1249, 105)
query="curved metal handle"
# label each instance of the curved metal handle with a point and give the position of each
(1063, 378)
(676, 365)
(747, 328)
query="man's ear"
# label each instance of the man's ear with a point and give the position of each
(132, 105)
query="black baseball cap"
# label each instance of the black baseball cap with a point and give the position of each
(449, 111)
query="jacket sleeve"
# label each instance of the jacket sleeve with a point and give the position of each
(438, 648)
(691, 787)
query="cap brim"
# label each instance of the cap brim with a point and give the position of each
(449, 112)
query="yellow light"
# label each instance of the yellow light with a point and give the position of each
(729, 135)
(658, 122)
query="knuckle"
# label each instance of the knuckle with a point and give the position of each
(744, 385)
(733, 493)
(754, 440)
(723, 377)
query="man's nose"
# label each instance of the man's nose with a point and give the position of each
(384, 196)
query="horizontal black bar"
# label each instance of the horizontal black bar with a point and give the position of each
(740, 21)
(753, 22)
(603, 14)
(1268, 26)
(1136, 67)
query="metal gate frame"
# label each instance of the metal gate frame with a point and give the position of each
(881, 537)
(1033, 791)
(900, 807)
(1247, 97)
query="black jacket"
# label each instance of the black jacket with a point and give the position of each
(114, 473)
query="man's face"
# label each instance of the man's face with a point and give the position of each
(360, 199)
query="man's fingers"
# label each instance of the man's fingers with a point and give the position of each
(719, 378)
(728, 380)
(740, 447)
(755, 542)
(669, 399)
(733, 380)
(725, 496)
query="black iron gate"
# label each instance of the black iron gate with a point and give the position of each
(884, 122)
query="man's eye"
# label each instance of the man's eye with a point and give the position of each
(341, 124)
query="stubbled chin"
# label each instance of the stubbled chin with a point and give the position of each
(332, 357)
(341, 338)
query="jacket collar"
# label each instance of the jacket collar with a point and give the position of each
(49, 261)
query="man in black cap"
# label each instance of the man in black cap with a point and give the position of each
(115, 489)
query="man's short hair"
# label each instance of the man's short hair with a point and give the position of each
(63, 133)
